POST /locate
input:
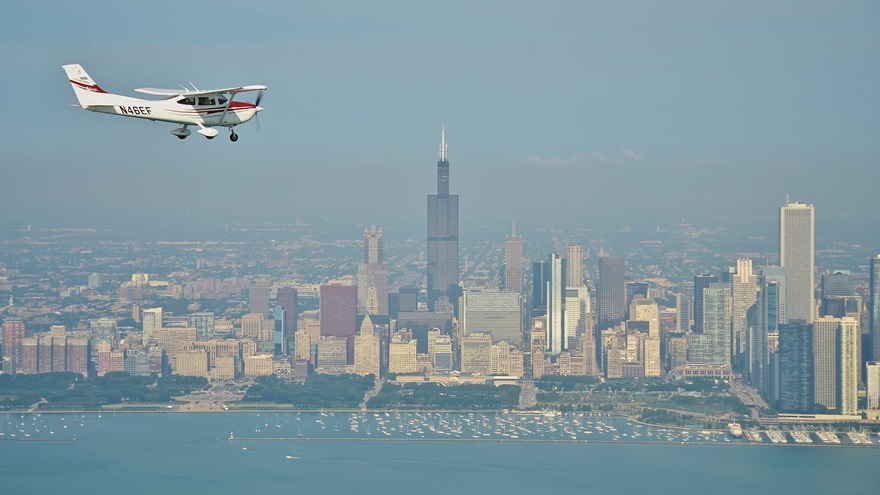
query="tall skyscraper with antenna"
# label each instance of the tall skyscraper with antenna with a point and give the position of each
(443, 269)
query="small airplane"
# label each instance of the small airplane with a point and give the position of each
(205, 109)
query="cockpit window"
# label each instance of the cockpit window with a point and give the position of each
(222, 100)
(187, 101)
(206, 100)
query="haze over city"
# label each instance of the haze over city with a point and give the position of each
(450, 247)
(562, 114)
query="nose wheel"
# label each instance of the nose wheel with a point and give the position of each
(233, 136)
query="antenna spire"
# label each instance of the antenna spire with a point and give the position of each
(443, 143)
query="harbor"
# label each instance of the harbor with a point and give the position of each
(520, 427)
(466, 426)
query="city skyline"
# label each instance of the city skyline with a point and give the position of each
(625, 346)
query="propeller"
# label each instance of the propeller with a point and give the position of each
(257, 115)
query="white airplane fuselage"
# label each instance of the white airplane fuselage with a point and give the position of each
(172, 110)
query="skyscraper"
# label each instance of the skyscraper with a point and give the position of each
(685, 307)
(152, 321)
(556, 339)
(372, 281)
(443, 269)
(848, 374)
(796, 367)
(286, 298)
(701, 283)
(493, 312)
(873, 382)
(513, 272)
(612, 291)
(258, 300)
(777, 275)
(825, 361)
(540, 277)
(836, 364)
(797, 256)
(763, 320)
(874, 307)
(743, 293)
(574, 274)
(578, 320)
(712, 347)
(280, 334)
(13, 335)
(338, 312)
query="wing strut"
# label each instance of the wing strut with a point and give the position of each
(226, 110)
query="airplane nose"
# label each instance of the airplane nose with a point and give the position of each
(258, 109)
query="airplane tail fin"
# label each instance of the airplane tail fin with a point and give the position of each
(86, 90)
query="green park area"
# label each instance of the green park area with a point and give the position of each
(684, 402)
(436, 396)
(70, 391)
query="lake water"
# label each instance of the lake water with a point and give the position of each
(445, 453)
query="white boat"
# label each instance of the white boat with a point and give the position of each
(735, 430)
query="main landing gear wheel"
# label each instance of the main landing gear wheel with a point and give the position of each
(233, 137)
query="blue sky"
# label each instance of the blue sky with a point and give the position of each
(556, 113)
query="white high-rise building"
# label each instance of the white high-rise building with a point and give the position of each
(646, 310)
(152, 321)
(797, 256)
(743, 293)
(556, 340)
(836, 363)
(826, 332)
(849, 366)
(577, 311)
(367, 353)
(873, 379)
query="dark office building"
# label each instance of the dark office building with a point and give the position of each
(286, 298)
(280, 318)
(612, 292)
(540, 277)
(874, 307)
(443, 269)
(796, 394)
(339, 314)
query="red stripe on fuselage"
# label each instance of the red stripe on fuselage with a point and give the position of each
(94, 88)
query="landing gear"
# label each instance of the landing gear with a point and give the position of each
(233, 136)
(181, 132)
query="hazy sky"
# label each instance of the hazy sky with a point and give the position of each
(556, 112)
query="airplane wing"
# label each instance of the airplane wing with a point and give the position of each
(177, 92)
(160, 92)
